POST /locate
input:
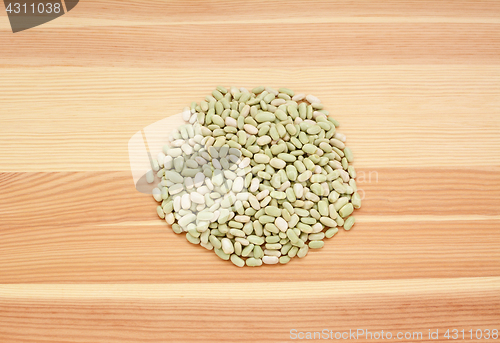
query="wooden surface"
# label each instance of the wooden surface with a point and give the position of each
(416, 87)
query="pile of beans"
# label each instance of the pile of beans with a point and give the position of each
(257, 176)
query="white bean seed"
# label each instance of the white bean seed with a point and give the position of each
(250, 129)
(185, 202)
(227, 246)
(298, 97)
(150, 176)
(238, 184)
(186, 114)
(312, 99)
(231, 122)
(281, 224)
(197, 198)
(270, 259)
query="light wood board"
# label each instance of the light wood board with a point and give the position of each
(416, 88)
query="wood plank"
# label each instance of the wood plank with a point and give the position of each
(226, 10)
(68, 200)
(135, 252)
(418, 308)
(175, 12)
(253, 291)
(360, 44)
(99, 110)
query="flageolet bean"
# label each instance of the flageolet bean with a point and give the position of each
(247, 250)
(292, 236)
(258, 252)
(303, 251)
(340, 203)
(272, 239)
(253, 262)
(273, 246)
(215, 242)
(304, 176)
(273, 211)
(265, 117)
(327, 221)
(309, 148)
(293, 251)
(346, 210)
(316, 236)
(160, 212)
(261, 158)
(348, 154)
(238, 261)
(331, 232)
(356, 200)
(287, 91)
(316, 244)
(221, 254)
(284, 259)
(277, 163)
(348, 223)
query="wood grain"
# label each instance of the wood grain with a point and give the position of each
(393, 115)
(416, 87)
(254, 320)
